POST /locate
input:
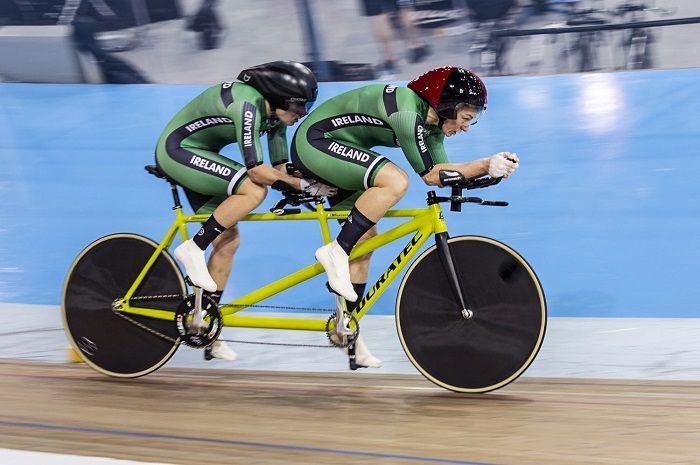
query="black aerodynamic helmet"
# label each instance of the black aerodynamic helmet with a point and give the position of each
(448, 87)
(285, 84)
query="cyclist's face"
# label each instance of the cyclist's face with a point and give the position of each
(288, 117)
(465, 117)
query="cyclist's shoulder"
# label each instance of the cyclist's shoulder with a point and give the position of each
(237, 93)
(369, 95)
(407, 99)
(403, 106)
(244, 91)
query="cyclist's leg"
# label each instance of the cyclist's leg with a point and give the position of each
(388, 188)
(219, 265)
(359, 268)
(353, 168)
(224, 247)
(359, 271)
(373, 178)
(206, 193)
(220, 262)
(209, 174)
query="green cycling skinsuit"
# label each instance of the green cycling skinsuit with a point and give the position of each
(333, 144)
(188, 148)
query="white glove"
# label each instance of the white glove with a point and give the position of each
(317, 188)
(503, 164)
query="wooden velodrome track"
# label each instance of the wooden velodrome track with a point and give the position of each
(182, 416)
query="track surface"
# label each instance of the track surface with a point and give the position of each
(185, 416)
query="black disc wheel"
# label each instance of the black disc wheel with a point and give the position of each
(104, 271)
(497, 342)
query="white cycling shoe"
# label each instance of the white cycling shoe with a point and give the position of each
(363, 357)
(219, 349)
(192, 258)
(335, 261)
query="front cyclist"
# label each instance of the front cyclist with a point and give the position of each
(265, 99)
(333, 146)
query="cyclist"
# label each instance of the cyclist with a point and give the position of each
(265, 99)
(333, 145)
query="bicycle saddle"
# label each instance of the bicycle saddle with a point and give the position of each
(155, 171)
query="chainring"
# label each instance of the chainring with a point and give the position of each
(212, 318)
(342, 341)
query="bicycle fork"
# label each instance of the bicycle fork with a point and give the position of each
(448, 265)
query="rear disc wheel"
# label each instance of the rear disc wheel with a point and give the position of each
(107, 341)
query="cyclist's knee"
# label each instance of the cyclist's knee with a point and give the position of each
(255, 192)
(399, 184)
(393, 179)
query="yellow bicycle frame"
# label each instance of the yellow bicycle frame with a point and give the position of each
(425, 222)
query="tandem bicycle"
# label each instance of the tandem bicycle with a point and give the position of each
(470, 311)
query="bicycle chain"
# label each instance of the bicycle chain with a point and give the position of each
(144, 327)
(276, 307)
(290, 344)
(177, 341)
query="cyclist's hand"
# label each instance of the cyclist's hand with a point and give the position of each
(317, 188)
(503, 164)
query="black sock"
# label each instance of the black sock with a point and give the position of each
(207, 233)
(359, 289)
(354, 227)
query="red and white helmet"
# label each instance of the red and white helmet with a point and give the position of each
(447, 87)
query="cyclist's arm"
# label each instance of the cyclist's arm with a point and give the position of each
(470, 169)
(277, 145)
(412, 137)
(247, 120)
(267, 175)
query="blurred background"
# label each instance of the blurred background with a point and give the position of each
(203, 41)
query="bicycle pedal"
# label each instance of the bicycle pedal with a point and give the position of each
(207, 354)
(189, 282)
(330, 289)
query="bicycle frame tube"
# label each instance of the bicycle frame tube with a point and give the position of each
(423, 223)
(177, 225)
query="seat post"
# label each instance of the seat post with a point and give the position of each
(176, 196)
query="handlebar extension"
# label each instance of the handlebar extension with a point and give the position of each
(458, 182)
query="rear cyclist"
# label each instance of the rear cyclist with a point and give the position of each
(265, 99)
(333, 146)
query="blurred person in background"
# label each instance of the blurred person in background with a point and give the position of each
(265, 99)
(333, 145)
(206, 23)
(88, 18)
(386, 13)
(485, 10)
